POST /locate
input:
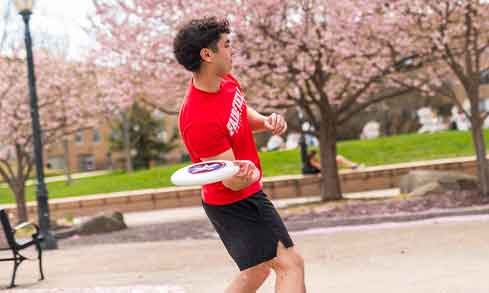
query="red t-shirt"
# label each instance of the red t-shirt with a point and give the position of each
(212, 123)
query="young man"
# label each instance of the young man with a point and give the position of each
(216, 123)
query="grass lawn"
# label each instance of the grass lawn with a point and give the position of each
(385, 150)
(47, 173)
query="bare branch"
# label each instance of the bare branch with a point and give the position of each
(362, 106)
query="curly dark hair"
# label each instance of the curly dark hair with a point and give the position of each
(195, 35)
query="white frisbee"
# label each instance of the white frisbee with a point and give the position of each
(204, 173)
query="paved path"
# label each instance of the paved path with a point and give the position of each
(64, 178)
(440, 256)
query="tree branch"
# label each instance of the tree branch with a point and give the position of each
(362, 106)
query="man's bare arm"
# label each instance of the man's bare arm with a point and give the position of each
(257, 120)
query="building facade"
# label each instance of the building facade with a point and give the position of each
(89, 149)
(85, 150)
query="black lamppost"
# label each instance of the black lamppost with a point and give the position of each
(25, 10)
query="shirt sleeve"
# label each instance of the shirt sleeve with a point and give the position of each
(206, 140)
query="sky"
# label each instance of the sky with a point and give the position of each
(59, 18)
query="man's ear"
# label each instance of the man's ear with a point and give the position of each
(206, 54)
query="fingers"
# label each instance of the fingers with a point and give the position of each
(275, 119)
(281, 125)
(255, 175)
(247, 169)
(243, 168)
(276, 123)
(271, 122)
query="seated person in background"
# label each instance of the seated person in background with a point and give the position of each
(345, 163)
(314, 165)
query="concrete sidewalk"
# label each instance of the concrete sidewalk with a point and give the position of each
(64, 178)
(442, 256)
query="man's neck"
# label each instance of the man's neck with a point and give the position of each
(207, 82)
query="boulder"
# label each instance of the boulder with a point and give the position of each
(102, 223)
(429, 188)
(436, 181)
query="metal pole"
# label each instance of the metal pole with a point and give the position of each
(42, 194)
(302, 143)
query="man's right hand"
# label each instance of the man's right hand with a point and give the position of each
(248, 174)
(247, 170)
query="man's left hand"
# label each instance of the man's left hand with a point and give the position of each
(276, 124)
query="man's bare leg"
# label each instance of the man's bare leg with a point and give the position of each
(248, 281)
(289, 270)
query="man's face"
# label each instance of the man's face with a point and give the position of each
(222, 60)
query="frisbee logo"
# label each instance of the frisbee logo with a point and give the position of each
(205, 167)
(204, 173)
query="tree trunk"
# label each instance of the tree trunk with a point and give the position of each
(478, 139)
(127, 142)
(67, 161)
(19, 192)
(480, 150)
(330, 184)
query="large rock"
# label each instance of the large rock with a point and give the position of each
(429, 188)
(426, 181)
(102, 223)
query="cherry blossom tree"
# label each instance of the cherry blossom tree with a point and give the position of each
(69, 100)
(449, 41)
(134, 39)
(315, 54)
(137, 37)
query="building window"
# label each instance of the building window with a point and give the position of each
(56, 162)
(115, 135)
(86, 162)
(484, 105)
(96, 136)
(79, 137)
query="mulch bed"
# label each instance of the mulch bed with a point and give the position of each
(355, 208)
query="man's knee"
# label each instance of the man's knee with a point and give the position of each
(288, 260)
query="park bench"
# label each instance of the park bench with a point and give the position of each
(9, 242)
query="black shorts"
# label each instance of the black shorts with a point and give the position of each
(250, 229)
